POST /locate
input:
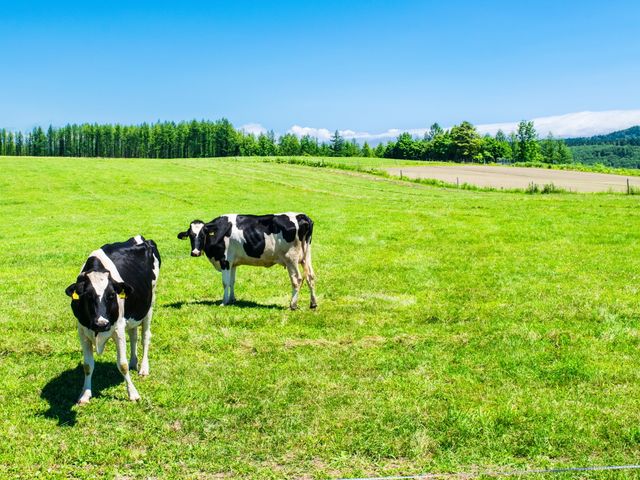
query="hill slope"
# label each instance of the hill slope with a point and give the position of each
(629, 136)
(456, 330)
(616, 149)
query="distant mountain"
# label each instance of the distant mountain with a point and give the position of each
(616, 149)
(629, 136)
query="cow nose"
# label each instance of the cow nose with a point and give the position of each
(101, 323)
(195, 253)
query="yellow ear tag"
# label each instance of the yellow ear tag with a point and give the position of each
(122, 294)
(75, 296)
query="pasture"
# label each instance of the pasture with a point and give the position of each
(456, 330)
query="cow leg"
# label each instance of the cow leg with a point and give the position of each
(121, 358)
(146, 340)
(88, 364)
(310, 277)
(296, 282)
(226, 280)
(133, 344)
(311, 281)
(232, 285)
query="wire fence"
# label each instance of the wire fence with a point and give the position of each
(496, 474)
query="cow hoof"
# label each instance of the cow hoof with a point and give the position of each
(135, 397)
(133, 365)
(82, 401)
(144, 372)
(293, 307)
(313, 306)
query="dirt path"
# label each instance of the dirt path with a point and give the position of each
(519, 177)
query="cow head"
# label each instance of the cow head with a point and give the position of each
(197, 233)
(97, 301)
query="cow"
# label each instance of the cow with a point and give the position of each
(260, 240)
(114, 293)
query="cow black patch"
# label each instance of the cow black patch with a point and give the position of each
(305, 228)
(255, 227)
(216, 231)
(135, 265)
(283, 224)
(253, 231)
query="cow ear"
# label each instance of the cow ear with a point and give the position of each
(71, 291)
(183, 235)
(123, 289)
(209, 229)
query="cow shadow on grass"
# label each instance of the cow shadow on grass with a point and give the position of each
(238, 304)
(63, 391)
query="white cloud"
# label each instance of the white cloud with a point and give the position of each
(569, 125)
(579, 124)
(319, 133)
(324, 134)
(254, 128)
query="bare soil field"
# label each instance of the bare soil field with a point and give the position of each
(519, 177)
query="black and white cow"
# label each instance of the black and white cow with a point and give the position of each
(259, 240)
(114, 293)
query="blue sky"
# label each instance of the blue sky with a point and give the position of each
(364, 66)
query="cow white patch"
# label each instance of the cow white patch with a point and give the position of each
(196, 227)
(99, 282)
(156, 271)
(137, 239)
(98, 340)
(292, 217)
(107, 263)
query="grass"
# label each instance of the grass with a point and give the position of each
(343, 163)
(371, 164)
(457, 330)
(378, 166)
(582, 167)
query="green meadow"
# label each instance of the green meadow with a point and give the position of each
(457, 330)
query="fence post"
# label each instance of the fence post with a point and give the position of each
(628, 187)
(400, 174)
(457, 182)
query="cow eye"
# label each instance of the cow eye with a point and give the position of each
(111, 295)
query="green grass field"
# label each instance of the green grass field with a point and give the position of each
(456, 330)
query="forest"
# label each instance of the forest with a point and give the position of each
(617, 149)
(461, 143)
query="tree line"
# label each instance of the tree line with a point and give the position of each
(629, 136)
(461, 143)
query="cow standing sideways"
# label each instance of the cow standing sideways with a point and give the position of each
(114, 293)
(259, 240)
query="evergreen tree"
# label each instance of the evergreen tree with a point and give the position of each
(380, 150)
(309, 146)
(37, 142)
(337, 144)
(433, 132)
